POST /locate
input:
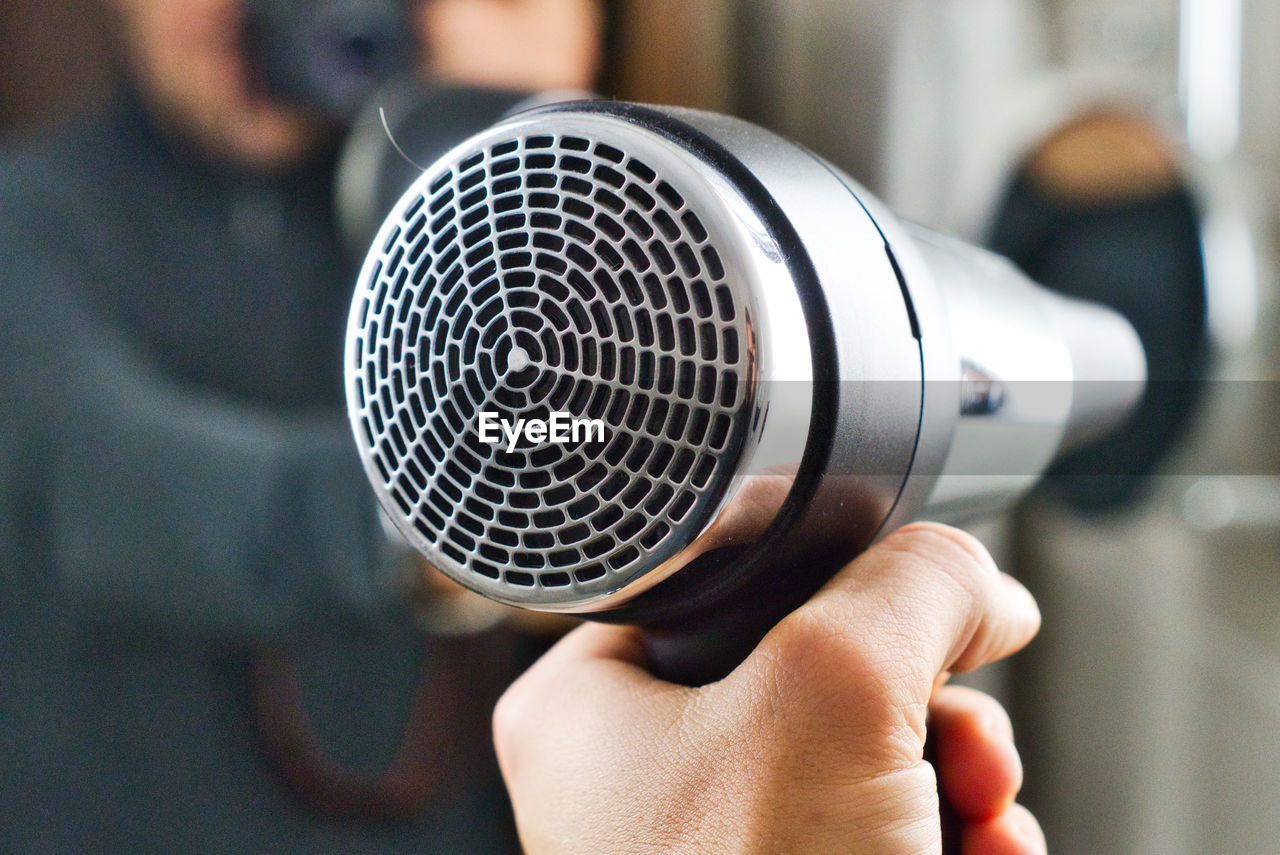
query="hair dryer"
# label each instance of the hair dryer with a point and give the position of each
(664, 367)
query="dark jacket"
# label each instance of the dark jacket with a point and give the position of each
(179, 489)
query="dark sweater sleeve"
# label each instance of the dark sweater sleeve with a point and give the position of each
(167, 508)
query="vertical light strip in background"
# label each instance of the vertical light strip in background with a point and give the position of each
(1210, 78)
(1210, 75)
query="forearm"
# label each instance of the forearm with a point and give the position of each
(170, 506)
(200, 518)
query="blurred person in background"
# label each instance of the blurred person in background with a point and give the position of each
(205, 639)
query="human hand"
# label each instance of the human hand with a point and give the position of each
(814, 744)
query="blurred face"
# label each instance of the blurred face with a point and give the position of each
(188, 56)
(526, 45)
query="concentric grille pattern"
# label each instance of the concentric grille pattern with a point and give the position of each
(540, 275)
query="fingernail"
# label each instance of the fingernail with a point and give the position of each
(1026, 827)
(1025, 601)
(997, 725)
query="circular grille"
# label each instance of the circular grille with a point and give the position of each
(540, 275)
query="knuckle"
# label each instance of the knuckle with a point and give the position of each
(805, 636)
(504, 726)
(510, 721)
(821, 652)
(954, 552)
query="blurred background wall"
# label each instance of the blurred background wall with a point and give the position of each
(1149, 709)
(52, 59)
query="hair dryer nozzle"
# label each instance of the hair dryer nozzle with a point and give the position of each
(1109, 368)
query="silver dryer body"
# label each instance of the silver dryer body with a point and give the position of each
(783, 370)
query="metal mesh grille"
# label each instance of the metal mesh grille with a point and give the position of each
(550, 274)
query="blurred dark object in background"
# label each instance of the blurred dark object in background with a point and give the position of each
(1100, 211)
(329, 55)
(53, 60)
